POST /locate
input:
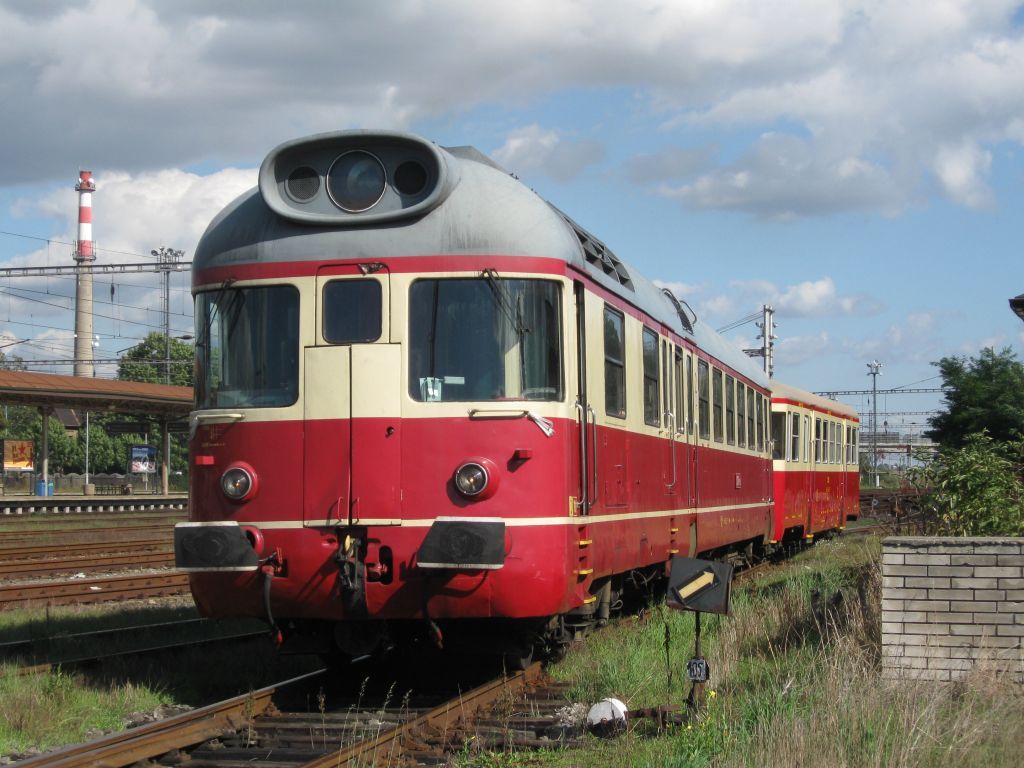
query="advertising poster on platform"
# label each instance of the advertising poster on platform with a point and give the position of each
(19, 455)
(143, 459)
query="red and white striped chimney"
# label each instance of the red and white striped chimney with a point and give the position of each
(85, 187)
(84, 255)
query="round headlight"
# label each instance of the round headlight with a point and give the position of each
(356, 181)
(236, 483)
(471, 479)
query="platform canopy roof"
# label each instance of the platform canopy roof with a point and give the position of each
(81, 392)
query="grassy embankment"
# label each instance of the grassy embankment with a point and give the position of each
(796, 675)
(44, 711)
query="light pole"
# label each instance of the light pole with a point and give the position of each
(874, 371)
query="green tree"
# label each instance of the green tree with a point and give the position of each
(976, 490)
(64, 452)
(983, 394)
(145, 361)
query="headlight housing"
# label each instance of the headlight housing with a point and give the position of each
(356, 181)
(238, 483)
(476, 479)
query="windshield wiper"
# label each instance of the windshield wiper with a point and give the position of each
(510, 308)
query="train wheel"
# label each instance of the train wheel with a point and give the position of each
(517, 660)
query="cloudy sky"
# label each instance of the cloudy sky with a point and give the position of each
(857, 165)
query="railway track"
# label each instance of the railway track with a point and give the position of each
(72, 560)
(80, 661)
(97, 590)
(84, 535)
(303, 722)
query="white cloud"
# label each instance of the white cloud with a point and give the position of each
(535, 150)
(962, 171)
(791, 351)
(811, 298)
(916, 339)
(860, 105)
(680, 289)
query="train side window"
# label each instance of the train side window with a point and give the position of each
(794, 448)
(691, 426)
(760, 423)
(716, 404)
(807, 439)
(614, 363)
(730, 410)
(817, 440)
(751, 415)
(351, 311)
(651, 379)
(704, 398)
(680, 409)
(741, 415)
(666, 385)
(778, 436)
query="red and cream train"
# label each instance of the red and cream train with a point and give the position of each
(431, 405)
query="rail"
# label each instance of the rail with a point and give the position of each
(178, 732)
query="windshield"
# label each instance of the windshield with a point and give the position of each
(485, 339)
(247, 347)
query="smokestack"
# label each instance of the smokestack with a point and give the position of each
(84, 255)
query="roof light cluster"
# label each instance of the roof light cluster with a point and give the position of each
(334, 178)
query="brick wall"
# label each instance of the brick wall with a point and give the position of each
(950, 605)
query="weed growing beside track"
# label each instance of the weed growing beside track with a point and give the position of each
(796, 675)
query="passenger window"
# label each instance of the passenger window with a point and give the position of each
(651, 381)
(351, 311)
(817, 440)
(794, 449)
(760, 423)
(614, 363)
(689, 395)
(741, 414)
(730, 410)
(703, 395)
(778, 436)
(751, 415)
(716, 403)
(666, 384)
(680, 393)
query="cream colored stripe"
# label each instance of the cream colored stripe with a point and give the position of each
(512, 522)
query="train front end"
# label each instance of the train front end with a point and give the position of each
(383, 439)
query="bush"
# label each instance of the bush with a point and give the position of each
(976, 490)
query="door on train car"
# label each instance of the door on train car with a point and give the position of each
(686, 427)
(673, 469)
(352, 401)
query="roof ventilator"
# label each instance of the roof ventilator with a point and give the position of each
(600, 255)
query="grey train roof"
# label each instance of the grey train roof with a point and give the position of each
(473, 207)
